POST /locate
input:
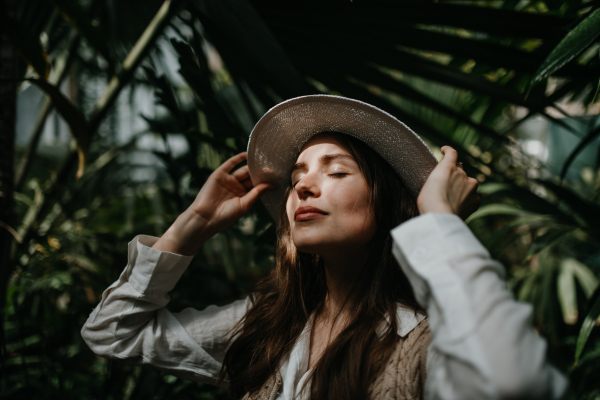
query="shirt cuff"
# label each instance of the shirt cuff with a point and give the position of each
(152, 271)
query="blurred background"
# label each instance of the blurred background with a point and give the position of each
(114, 113)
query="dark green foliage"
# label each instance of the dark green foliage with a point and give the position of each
(451, 70)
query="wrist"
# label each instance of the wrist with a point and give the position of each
(187, 234)
(435, 208)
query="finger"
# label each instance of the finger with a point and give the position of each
(247, 183)
(474, 184)
(253, 195)
(241, 173)
(450, 155)
(228, 165)
(238, 189)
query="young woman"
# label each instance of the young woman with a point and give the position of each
(370, 241)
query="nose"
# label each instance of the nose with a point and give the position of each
(307, 187)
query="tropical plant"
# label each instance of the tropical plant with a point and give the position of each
(455, 71)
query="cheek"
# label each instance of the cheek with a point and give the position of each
(353, 208)
(290, 208)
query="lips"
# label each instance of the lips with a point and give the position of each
(306, 213)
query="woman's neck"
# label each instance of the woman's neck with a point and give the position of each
(342, 270)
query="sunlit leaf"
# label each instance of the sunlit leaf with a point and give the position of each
(492, 187)
(497, 209)
(567, 294)
(585, 276)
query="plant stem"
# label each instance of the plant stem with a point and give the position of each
(132, 61)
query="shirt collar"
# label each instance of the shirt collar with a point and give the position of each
(407, 319)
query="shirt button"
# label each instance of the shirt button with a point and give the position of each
(419, 252)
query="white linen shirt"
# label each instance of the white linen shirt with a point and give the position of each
(483, 344)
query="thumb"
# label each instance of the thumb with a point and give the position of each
(450, 155)
(248, 200)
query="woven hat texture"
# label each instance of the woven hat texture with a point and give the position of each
(276, 141)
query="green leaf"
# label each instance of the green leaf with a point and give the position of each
(73, 117)
(493, 187)
(586, 278)
(570, 47)
(58, 280)
(488, 53)
(307, 50)
(195, 71)
(82, 262)
(548, 239)
(497, 209)
(567, 293)
(527, 288)
(588, 324)
(28, 46)
(369, 74)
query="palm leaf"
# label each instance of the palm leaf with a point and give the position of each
(573, 44)
(588, 324)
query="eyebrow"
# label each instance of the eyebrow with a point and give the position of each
(325, 159)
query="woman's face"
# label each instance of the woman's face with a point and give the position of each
(329, 206)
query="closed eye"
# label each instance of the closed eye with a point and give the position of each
(338, 174)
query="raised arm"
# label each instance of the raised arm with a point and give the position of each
(131, 321)
(483, 343)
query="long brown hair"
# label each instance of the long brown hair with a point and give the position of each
(284, 300)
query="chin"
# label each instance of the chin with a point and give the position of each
(312, 244)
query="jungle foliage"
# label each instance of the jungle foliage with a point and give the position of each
(454, 71)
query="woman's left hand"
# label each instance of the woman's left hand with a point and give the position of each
(448, 189)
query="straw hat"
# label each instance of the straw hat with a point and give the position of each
(276, 141)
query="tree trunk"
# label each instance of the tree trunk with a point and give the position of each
(8, 97)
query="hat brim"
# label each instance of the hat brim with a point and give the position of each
(277, 139)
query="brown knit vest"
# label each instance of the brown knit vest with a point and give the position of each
(403, 376)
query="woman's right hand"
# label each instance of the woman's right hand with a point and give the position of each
(224, 198)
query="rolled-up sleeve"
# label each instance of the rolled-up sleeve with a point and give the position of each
(132, 323)
(483, 343)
